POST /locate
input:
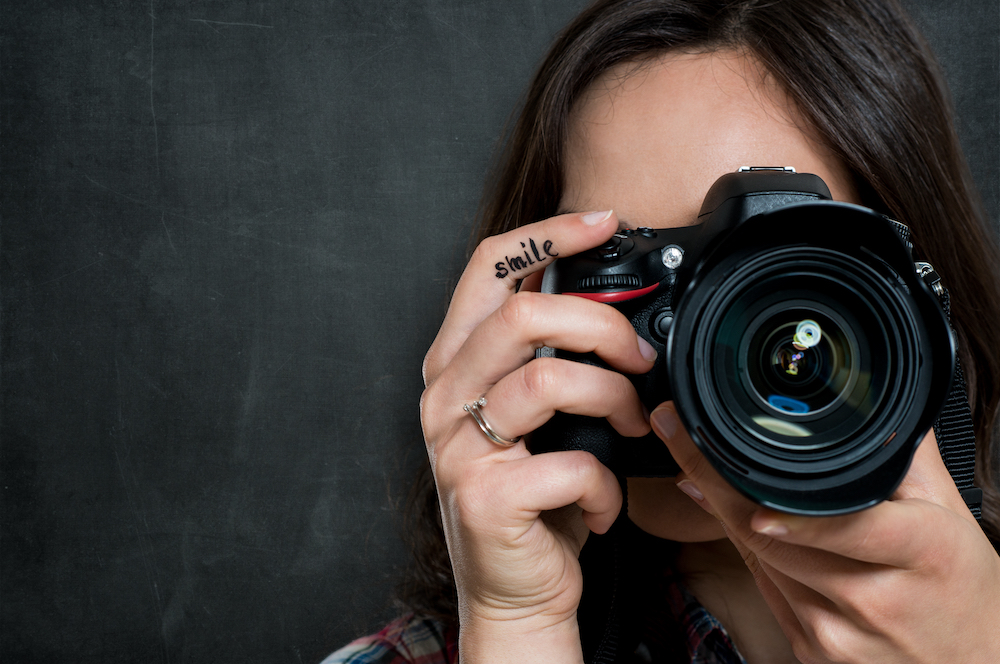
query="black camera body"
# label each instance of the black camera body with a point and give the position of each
(804, 354)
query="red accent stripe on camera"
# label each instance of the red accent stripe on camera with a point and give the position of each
(618, 296)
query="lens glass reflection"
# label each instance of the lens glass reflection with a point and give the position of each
(800, 365)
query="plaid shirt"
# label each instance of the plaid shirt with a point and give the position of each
(415, 640)
(706, 639)
(407, 640)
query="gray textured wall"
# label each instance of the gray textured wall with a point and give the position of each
(227, 234)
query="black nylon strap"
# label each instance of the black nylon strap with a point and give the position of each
(603, 610)
(957, 442)
(956, 438)
(953, 429)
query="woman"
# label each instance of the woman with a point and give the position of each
(639, 107)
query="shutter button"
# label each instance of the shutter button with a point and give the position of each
(616, 247)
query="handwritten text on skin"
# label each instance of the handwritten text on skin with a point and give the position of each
(517, 263)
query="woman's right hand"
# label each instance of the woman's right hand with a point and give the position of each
(514, 559)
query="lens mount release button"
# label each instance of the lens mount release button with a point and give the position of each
(661, 322)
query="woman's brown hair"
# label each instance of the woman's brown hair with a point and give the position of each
(866, 82)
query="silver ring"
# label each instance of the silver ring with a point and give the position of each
(475, 409)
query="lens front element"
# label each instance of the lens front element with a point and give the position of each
(796, 369)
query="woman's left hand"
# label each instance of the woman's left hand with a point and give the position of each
(913, 579)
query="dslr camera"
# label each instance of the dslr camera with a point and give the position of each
(805, 351)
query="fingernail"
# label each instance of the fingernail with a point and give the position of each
(691, 489)
(770, 528)
(594, 218)
(647, 350)
(664, 419)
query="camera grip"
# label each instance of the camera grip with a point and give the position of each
(629, 457)
(646, 456)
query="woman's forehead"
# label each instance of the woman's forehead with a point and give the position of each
(649, 140)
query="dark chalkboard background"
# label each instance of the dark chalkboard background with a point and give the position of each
(228, 232)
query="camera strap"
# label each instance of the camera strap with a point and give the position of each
(956, 438)
(953, 428)
(607, 587)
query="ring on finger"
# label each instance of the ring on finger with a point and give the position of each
(476, 410)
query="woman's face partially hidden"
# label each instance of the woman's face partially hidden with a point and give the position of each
(648, 140)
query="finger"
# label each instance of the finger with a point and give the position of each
(551, 481)
(928, 479)
(813, 624)
(826, 563)
(736, 511)
(894, 533)
(527, 398)
(527, 321)
(532, 283)
(890, 533)
(496, 266)
(773, 588)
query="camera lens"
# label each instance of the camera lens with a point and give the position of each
(803, 368)
(808, 364)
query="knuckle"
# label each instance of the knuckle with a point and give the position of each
(519, 310)
(484, 251)
(807, 652)
(621, 388)
(830, 641)
(936, 555)
(863, 601)
(581, 466)
(429, 367)
(752, 563)
(802, 648)
(428, 409)
(609, 323)
(433, 422)
(540, 378)
(762, 545)
(692, 462)
(446, 465)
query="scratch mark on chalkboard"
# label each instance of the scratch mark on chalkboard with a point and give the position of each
(70, 274)
(244, 25)
(251, 397)
(202, 222)
(233, 542)
(464, 36)
(145, 378)
(163, 221)
(152, 106)
(369, 59)
(282, 365)
(374, 383)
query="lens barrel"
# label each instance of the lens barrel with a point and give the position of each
(805, 369)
